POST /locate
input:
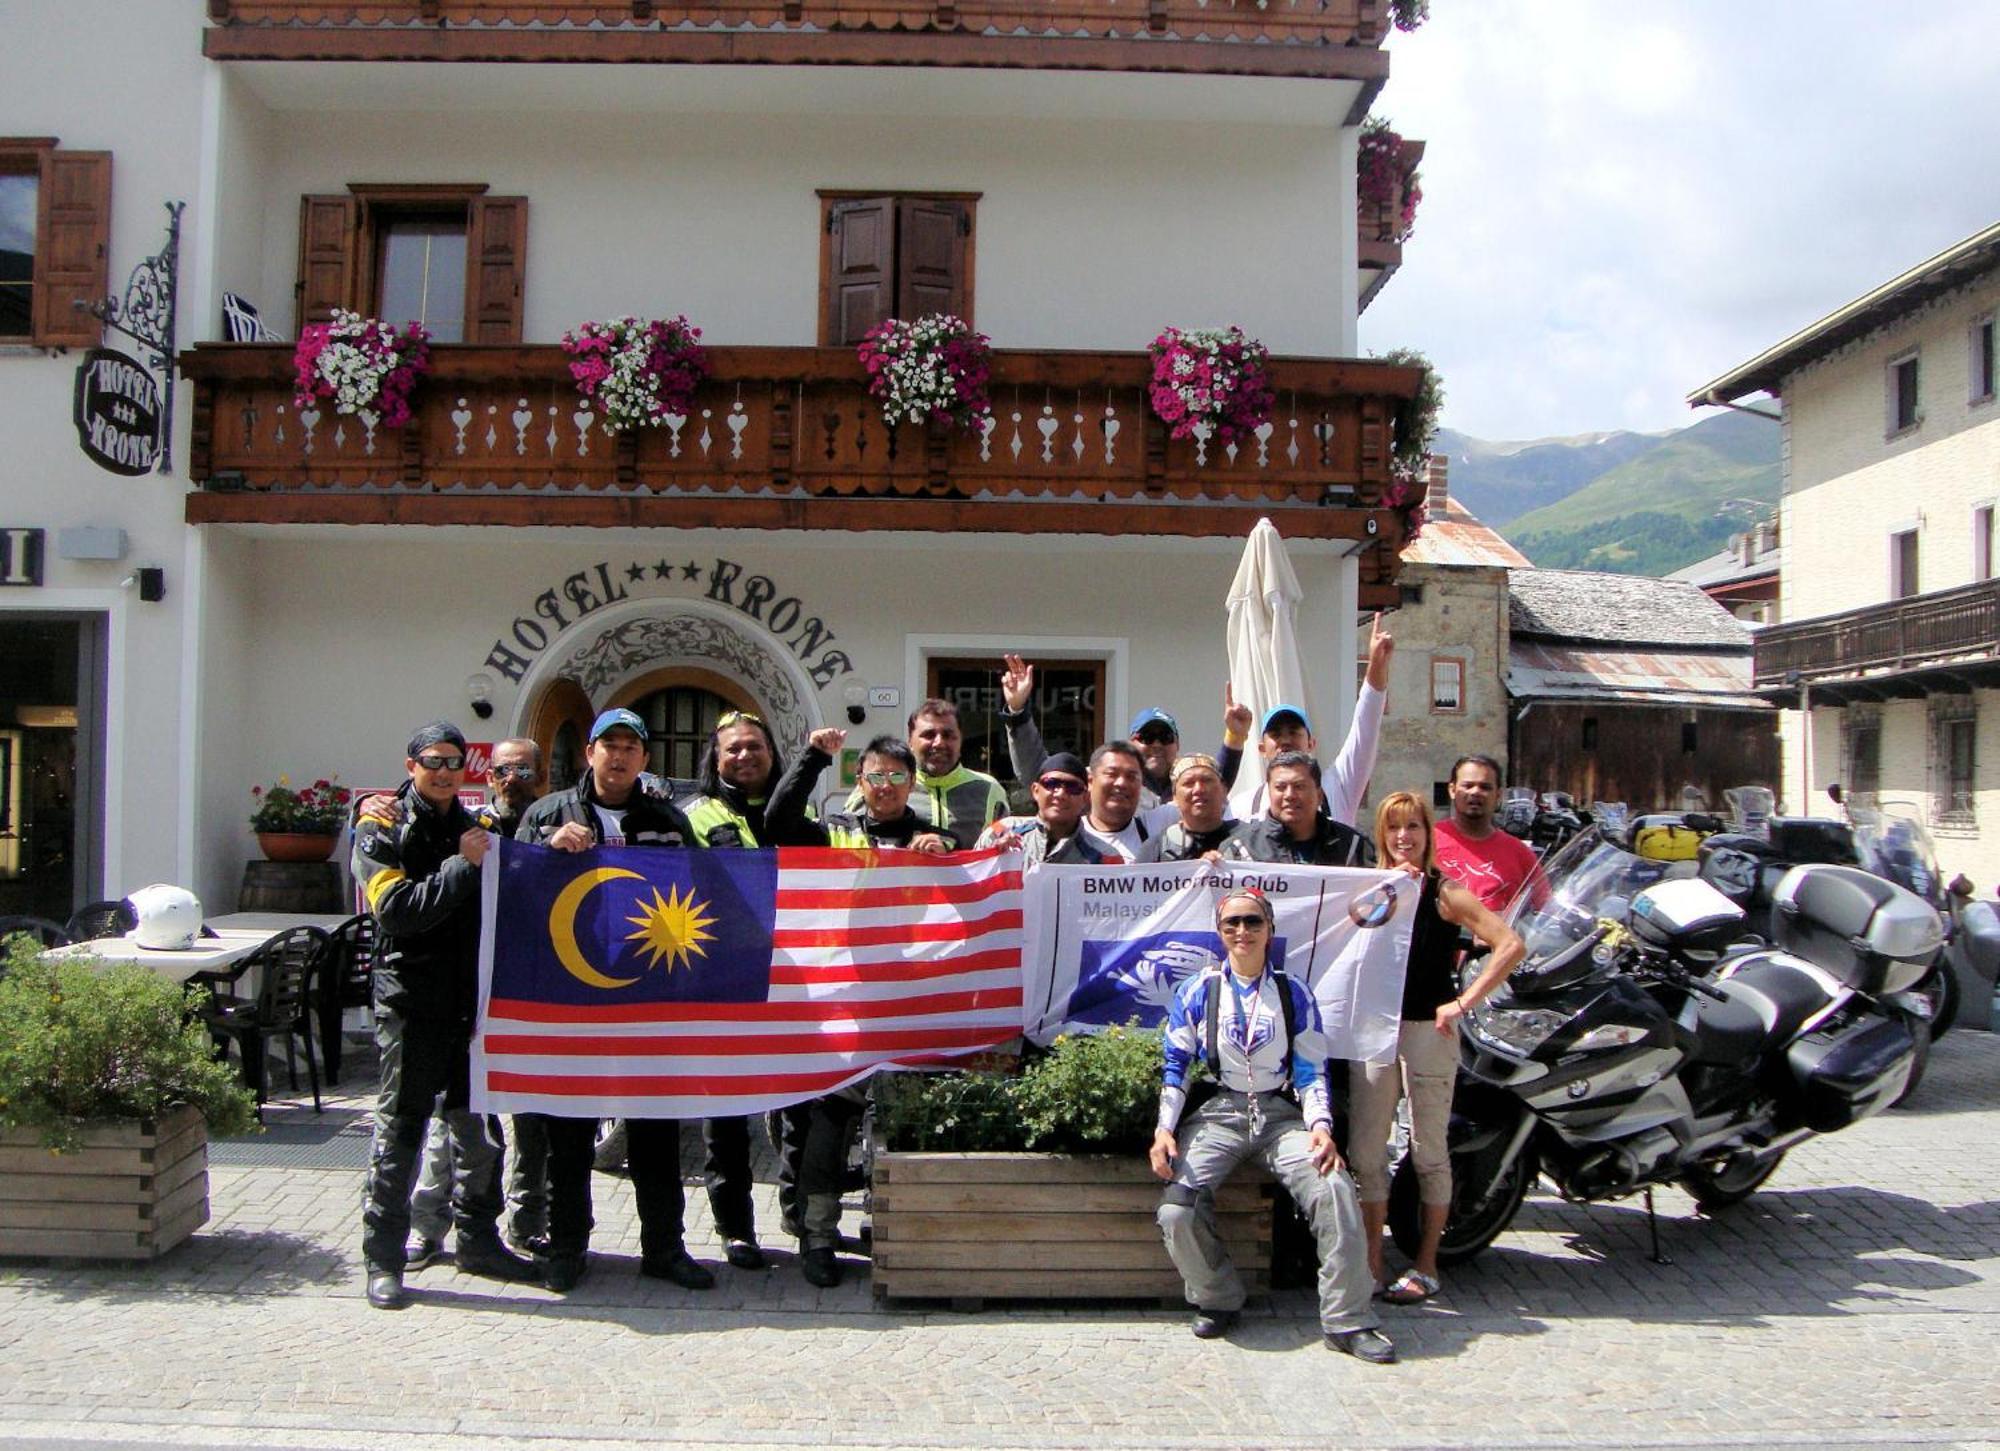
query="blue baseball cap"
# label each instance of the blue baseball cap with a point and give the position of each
(1153, 715)
(615, 719)
(1276, 711)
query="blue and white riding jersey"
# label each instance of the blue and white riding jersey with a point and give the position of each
(1250, 1046)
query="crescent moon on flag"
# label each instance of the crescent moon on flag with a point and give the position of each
(562, 926)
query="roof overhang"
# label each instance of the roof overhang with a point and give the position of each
(1542, 671)
(1766, 372)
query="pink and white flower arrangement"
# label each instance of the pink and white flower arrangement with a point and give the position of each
(637, 372)
(362, 366)
(936, 367)
(1210, 377)
(1379, 180)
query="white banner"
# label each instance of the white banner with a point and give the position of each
(1108, 944)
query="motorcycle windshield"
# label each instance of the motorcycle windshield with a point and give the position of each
(1891, 842)
(1589, 879)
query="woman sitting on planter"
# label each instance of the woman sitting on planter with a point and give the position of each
(1259, 1033)
(1426, 1064)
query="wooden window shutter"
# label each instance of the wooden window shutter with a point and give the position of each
(857, 287)
(328, 227)
(932, 257)
(496, 256)
(75, 233)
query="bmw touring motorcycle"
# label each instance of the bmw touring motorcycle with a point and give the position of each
(1643, 1041)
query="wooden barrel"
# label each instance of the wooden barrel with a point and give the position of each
(290, 887)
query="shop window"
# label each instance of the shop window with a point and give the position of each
(1447, 685)
(884, 256)
(1068, 707)
(1903, 577)
(1980, 364)
(1904, 413)
(450, 257)
(55, 227)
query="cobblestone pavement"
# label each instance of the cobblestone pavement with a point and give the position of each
(1856, 1301)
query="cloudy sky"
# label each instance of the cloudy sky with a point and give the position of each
(1622, 201)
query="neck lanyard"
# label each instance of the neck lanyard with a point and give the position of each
(1244, 1008)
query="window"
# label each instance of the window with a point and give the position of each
(55, 222)
(1982, 542)
(892, 256)
(1954, 736)
(1864, 754)
(1690, 738)
(1903, 412)
(1980, 361)
(450, 256)
(1590, 733)
(1903, 564)
(1447, 685)
(1068, 706)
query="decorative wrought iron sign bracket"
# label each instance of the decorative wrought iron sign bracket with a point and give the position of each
(146, 315)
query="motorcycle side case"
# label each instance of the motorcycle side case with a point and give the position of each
(1844, 1074)
(1873, 935)
(1688, 914)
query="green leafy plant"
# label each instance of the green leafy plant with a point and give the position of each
(1089, 1093)
(82, 1043)
(316, 810)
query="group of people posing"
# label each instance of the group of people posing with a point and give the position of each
(1140, 798)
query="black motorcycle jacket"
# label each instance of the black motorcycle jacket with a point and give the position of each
(424, 897)
(1178, 844)
(1332, 844)
(649, 820)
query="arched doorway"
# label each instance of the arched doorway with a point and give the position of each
(559, 724)
(680, 708)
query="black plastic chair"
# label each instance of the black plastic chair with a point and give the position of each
(290, 964)
(348, 981)
(51, 934)
(101, 919)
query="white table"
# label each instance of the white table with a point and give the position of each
(229, 946)
(276, 922)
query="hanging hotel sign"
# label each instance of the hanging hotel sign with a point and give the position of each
(21, 556)
(117, 412)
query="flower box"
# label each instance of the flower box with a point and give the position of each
(132, 1190)
(1034, 1226)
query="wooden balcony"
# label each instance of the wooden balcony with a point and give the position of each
(1380, 230)
(788, 438)
(1338, 39)
(1944, 642)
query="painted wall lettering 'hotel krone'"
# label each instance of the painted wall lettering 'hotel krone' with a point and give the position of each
(299, 589)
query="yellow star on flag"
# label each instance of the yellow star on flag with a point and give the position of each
(672, 927)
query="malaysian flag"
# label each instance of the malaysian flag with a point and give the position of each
(692, 984)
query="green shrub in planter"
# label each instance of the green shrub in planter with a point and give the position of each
(1089, 1093)
(81, 1044)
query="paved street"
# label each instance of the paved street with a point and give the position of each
(1854, 1302)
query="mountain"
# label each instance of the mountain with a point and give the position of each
(1632, 503)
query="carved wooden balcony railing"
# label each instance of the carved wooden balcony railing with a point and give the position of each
(1338, 38)
(1949, 633)
(788, 438)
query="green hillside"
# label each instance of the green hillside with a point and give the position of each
(1664, 509)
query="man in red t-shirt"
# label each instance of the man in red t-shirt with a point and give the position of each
(1470, 848)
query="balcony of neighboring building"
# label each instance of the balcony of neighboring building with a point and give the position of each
(788, 438)
(1944, 642)
(1322, 39)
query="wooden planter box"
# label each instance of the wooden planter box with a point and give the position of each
(969, 1227)
(133, 1191)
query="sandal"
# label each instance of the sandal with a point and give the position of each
(1413, 1288)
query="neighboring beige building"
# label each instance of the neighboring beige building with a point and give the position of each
(1889, 652)
(1447, 688)
(1742, 578)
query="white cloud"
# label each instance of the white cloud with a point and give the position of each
(1622, 201)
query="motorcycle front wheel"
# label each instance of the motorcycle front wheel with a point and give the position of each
(1473, 1225)
(1731, 1181)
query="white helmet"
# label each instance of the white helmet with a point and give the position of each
(169, 917)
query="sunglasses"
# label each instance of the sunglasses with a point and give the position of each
(885, 778)
(736, 717)
(1061, 786)
(519, 773)
(1241, 924)
(435, 762)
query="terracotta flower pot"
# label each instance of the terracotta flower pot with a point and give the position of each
(297, 846)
